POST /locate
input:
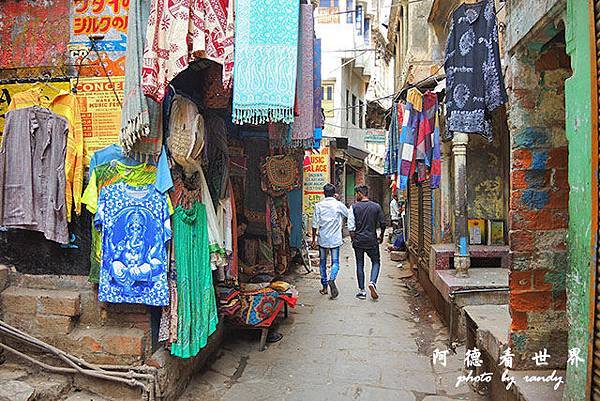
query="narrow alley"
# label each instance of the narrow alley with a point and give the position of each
(343, 349)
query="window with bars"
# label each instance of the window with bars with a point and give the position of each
(360, 113)
(353, 109)
(347, 105)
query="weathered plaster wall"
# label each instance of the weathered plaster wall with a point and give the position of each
(539, 194)
(579, 132)
(33, 33)
(528, 18)
(484, 179)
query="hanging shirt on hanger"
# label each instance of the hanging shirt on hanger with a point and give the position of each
(474, 81)
(136, 227)
(64, 104)
(32, 172)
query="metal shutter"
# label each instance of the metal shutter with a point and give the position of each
(426, 225)
(413, 204)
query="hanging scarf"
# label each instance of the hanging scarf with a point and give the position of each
(266, 55)
(179, 32)
(406, 153)
(392, 148)
(140, 117)
(304, 124)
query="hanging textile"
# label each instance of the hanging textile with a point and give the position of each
(424, 138)
(32, 172)
(317, 95)
(196, 302)
(474, 81)
(255, 200)
(217, 169)
(136, 226)
(214, 95)
(186, 133)
(109, 173)
(304, 123)
(215, 240)
(436, 163)
(392, 146)
(280, 174)
(167, 330)
(280, 232)
(266, 54)
(406, 153)
(66, 105)
(179, 32)
(232, 270)
(295, 207)
(141, 133)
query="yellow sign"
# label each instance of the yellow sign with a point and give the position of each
(316, 175)
(7, 91)
(100, 111)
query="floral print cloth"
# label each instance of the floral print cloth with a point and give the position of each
(474, 82)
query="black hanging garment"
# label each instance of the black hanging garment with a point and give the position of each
(474, 82)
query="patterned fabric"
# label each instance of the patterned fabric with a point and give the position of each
(436, 163)
(266, 54)
(141, 133)
(424, 139)
(260, 308)
(280, 174)
(317, 88)
(135, 226)
(217, 170)
(474, 81)
(197, 305)
(214, 94)
(407, 146)
(255, 200)
(392, 146)
(179, 32)
(65, 104)
(304, 124)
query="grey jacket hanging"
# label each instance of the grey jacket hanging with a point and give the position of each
(474, 82)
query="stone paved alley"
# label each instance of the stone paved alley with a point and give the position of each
(346, 349)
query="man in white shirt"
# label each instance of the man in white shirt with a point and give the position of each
(328, 221)
(395, 211)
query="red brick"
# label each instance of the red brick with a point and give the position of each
(539, 282)
(519, 281)
(522, 241)
(560, 302)
(560, 179)
(521, 159)
(65, 303)
(22, 321)
(517, 180)
(519, 321)
(532, 301)
(515, 200)
(125, 345)
(538, 220)
(19, 300)
(558, 158)
(552, 60)
(558, 200)
(53, 324)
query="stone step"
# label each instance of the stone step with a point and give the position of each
(40, 301)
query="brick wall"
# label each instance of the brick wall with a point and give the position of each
(539, 195)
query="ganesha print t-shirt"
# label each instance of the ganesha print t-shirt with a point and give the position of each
(135, 225)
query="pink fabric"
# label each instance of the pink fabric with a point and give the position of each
(201, 24)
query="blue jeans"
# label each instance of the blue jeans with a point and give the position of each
(373, 254)
(335, 263)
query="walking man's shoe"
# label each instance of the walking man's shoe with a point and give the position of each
(323, 290)
(373, 290)
(362, 294)
(334, 289)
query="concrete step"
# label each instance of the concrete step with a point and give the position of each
(30, 384)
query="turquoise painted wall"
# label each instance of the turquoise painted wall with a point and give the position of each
(579, 134)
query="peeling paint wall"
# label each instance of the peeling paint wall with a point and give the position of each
(33, 33)
(579, 133)
(484, 179)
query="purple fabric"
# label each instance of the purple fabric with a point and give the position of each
(303, 126)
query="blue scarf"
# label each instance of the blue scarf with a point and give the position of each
(266, 56)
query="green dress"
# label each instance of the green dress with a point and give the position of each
(196, 303)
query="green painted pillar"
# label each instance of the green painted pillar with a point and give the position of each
(578, 99)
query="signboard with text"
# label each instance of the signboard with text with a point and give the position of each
(316, 175)
(100, 111)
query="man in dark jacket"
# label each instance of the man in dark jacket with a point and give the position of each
(363, 219)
